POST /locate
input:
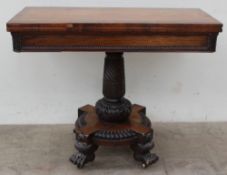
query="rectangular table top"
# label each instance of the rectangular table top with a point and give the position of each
(63, 18)
(107, 29)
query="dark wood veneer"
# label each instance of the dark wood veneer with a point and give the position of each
(153, 42)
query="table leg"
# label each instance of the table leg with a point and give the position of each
(114, 121)
(113, 107)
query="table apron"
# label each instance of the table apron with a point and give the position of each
(72, 42)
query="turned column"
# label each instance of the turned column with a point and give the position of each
(113, 107)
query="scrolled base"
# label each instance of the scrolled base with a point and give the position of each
(92, 132)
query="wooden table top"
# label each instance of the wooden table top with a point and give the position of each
(113, 29)
(153, 19)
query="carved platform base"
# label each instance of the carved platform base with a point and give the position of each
(91, 132)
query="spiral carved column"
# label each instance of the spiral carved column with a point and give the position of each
(113, 107)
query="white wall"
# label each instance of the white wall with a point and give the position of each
(48, 87)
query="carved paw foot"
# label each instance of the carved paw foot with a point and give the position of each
(146, 159)
(81, 159)
(142, 150)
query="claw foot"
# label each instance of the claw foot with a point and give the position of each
(81, 159)
(142, 150)
(147, 159)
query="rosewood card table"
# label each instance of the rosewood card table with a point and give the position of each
(113, 120)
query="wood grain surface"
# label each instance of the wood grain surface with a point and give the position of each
(113, 29)
(163, 20)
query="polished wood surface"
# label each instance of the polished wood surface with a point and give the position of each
(113, 29)
(155, 20)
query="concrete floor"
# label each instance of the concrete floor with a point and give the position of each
(184, 149)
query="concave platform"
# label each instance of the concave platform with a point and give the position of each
(91, 132)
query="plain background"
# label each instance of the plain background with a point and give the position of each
(175, 87)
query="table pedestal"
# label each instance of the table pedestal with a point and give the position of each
(113, 121)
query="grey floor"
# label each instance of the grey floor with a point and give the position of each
(184, 149)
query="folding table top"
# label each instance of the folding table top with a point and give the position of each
(114, 29)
